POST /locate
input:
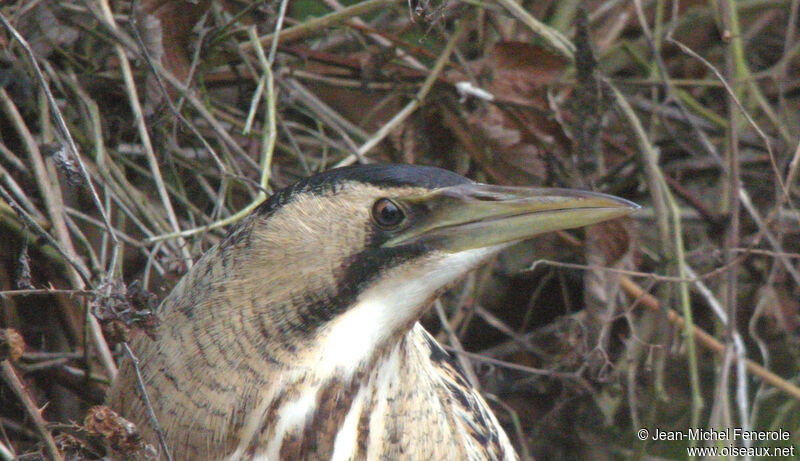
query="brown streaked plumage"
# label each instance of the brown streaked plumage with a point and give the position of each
(296, 338)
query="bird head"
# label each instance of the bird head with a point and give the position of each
(340, 265)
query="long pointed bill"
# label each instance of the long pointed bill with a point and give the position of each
(471, 216)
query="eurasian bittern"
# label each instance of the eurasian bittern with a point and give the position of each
(296, 337)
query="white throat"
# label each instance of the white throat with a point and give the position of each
(385, 308)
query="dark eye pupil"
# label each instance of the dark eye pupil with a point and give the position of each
(386, 213)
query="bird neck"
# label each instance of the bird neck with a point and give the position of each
(314, 411)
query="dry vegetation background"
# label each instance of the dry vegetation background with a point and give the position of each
(145, 127)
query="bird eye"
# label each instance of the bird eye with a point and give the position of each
(386, 213)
